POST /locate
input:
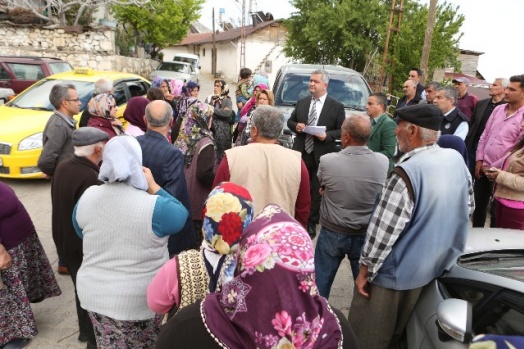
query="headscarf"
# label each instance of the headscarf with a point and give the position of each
(101, 104)
(135, 111)
(122, 162)
(158, 80)
(258, 78)
(273, 301)
(216, 100)
(193, 128)
(227, 213)
(186, 100)
(176, 86)
(454, 142)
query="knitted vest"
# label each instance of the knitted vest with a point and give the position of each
(121, 252)
(450, 126)
(436, 235)
(270, 172)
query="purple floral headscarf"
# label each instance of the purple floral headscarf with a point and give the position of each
(273, 301)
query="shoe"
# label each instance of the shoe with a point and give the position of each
(82, 337)
(62, 270)
(312, 230)
(17, 343)
(91, 346)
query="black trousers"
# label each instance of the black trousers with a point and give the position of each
(314, 186)
(482, 189)
(84, 322)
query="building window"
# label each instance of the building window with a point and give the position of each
(203, 52)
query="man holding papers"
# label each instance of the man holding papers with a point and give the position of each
(310, 114)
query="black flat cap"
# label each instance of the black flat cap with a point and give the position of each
(423, 115)
(88, 135)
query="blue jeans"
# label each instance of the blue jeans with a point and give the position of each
(331, 249)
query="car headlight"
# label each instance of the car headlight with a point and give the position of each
(31, 142)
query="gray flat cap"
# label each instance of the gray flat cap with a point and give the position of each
(88, 135)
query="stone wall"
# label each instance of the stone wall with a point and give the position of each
(94, 48)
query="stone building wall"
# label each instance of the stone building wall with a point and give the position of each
(94, 49)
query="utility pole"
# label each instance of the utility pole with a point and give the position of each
(424, 60)
(214, 49)
(385, 60)
(243, 37)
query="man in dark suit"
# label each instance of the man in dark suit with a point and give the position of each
(167, 166)
(454, 121)
(317, 110)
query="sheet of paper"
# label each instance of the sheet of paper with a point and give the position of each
(315, 130)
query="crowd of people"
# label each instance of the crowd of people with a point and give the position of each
(193, 215)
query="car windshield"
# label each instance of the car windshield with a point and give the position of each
(60, 67)
(37, 96)
(507, 263)
(350, 90)
(174, 67)
(191, 61)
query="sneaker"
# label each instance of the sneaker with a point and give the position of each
(82, 337)
(17, 343)
(62, 270)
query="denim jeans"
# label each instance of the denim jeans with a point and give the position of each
(331, 249)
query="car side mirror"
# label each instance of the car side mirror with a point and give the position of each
(454, 318)
(199, 67)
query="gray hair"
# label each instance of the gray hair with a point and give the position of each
(87, 150)
(159, 117)
(426, 135)
(323, 73)
(358, 127)
(60, 92)
(103, 85)
(450, 93)
(504, 82)
(268, 120)
(433, 84)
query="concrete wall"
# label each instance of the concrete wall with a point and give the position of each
(95, 49)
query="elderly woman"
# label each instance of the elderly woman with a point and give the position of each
(134, 115)
(272, 301)
(263, 97)
(223, 105)
(188, 97)
(103, 110)
(25, 274)
(196, 143)
(124, 224)
(189, 276)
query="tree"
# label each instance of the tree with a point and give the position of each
(60, 11)
(160, 23)
(343, 32)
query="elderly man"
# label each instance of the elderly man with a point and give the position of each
(166, 163)
(412, 238)
(271, 173)
(317, 110)
(350, 181)
(382, 138)
(103, 85)
(454, 122)
(71, 178)
(410, 95)
(466, 101)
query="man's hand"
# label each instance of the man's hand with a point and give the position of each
(362, 281)
(152, 187)
(300, 127)
(322, 190)
(322, 136)
(478, 168)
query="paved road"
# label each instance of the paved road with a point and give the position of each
(56, 317)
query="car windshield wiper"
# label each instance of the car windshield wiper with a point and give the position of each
(354, 107)
(488, 256)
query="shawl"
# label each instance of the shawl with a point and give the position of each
(135, 111)
(101, 104)
(227, 213)
(273, 301)
(122, 162)
(216, 100)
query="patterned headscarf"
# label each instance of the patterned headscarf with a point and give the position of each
(273, 301)
(227, 212)
(135, 111)
(101, 104)
(186, 100)
(193, 128)
(224, 93)
(157, 81)
(122, 162)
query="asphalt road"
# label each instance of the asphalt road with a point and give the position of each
(56, 317)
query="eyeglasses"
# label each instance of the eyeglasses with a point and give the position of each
(73, 100)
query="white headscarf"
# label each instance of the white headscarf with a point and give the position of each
(122, 162)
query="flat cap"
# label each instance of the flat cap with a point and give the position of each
(423, 115)
(462, 79)
(88, 135)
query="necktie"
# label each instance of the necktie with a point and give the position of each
(311, 120)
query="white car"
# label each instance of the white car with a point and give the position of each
(176, 70)
(5, 93)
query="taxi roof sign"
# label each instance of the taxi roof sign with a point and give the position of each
(84, 71)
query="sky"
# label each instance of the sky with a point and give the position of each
(492, 27)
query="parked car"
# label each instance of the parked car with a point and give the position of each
(190, 58)
(176, 70)
(23, 119)
(5, 94)
(482, 294)
(20, 72)
(292, 83)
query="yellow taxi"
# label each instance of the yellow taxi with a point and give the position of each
(23, 119)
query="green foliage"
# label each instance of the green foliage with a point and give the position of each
(161, 23)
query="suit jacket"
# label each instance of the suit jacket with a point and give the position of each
(166, 163)
(332, 116)
(476, 120)
(383, 139)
